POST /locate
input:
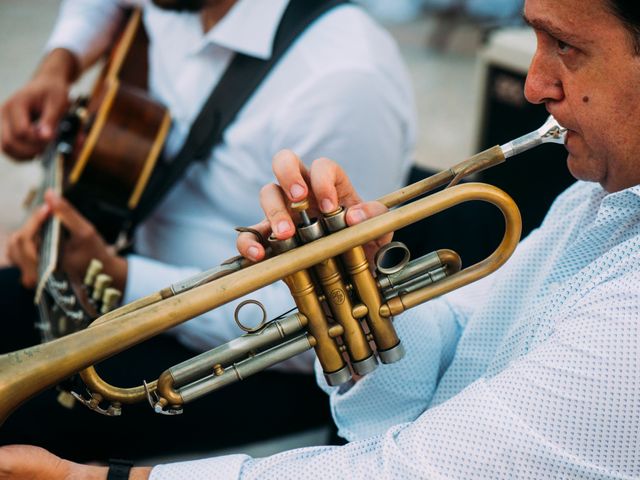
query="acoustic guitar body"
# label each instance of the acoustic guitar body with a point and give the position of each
(121, 135)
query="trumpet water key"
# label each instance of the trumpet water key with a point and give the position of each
(344, 311)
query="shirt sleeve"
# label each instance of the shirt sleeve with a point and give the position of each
(86, 28)
(568, 408)
(399, 392)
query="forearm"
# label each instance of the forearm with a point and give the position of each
(86, 28)
(140, 473)
(27, 462)
(61, 64)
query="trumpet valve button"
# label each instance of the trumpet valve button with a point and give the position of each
(301, 208)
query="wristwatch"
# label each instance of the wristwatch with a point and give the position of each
(119, 469)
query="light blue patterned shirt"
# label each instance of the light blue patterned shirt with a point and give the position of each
(533, 372)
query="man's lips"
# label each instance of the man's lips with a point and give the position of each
(570, 133)
(569, 139)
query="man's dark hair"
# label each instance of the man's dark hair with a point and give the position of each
(628, 11)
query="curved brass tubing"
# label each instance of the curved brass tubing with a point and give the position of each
(45, 365)
(451, 259)
(513, 228)
(126, 396)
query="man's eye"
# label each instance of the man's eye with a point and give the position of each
(563, 48)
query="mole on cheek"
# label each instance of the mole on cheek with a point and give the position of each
(585, 99)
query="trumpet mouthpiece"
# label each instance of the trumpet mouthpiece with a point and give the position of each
(550, 132)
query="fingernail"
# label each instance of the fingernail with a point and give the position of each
(53, 197)
(44, 208)
(283, 227)
(327, 206)
(45, 131)
(357, 215)
(296, 191)
(253, 253)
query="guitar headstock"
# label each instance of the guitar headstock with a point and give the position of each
(68, 305)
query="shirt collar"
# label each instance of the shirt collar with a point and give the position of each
(627, 192)
(249, 27)
(635, 190)
(614, 201)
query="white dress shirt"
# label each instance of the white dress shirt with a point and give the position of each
(533, 372)
(341, 91)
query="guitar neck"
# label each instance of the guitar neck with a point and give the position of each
(53, 163)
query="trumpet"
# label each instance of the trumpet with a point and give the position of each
(344, 310)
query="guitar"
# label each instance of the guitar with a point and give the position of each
(101, 161)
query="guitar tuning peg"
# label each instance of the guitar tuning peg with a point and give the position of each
(102, 281)
(94, 268)
(110, 299)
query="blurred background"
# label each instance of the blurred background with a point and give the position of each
(440, 40)
(468, 61)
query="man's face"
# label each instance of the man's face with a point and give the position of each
(586, 72)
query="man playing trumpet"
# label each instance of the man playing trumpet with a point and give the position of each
(531, 372)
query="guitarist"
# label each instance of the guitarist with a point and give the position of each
(340, 90)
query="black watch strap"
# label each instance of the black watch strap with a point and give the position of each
(119, 469)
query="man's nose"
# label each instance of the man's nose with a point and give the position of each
(542, 84)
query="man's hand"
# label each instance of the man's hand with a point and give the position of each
(25, 462)
(82, 244)
(29, 119)
(22, 247)
(19, 462)
(330, 188)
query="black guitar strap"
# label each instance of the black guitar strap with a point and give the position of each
(242, 77)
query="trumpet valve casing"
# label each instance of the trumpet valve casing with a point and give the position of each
(303, 291)
(336, 294)
(355, 262)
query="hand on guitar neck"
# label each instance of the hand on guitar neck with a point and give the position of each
(30, 117)
(98, 154)
(81, 244)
